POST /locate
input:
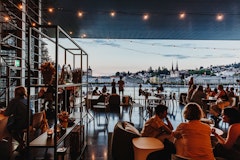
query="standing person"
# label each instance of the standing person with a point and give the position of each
(160, 88)
(229, 148)
(140, 91)
(190, 82)
(18, 111)
(193, 137)
(121, 86)
(113, 84)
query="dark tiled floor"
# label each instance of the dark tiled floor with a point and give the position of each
(97, 148)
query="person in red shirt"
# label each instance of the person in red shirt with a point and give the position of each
(121, 86)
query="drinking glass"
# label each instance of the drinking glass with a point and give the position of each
(212, 123)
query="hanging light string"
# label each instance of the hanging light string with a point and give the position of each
(145, 16)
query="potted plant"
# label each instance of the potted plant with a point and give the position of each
(48, 72)
(63, 119)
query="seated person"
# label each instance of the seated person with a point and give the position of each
(190, 92)
(193, 137)
(222, 102)
(229, 148)
(222, 94)
(197, 97)
(155, 126)
(214, 92)
(208, 89)
(18, 109)
(104, 90)
(215, 112)
(231, 93)
(95, 91)
(160, 88)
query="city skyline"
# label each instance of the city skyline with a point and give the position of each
(108, 56)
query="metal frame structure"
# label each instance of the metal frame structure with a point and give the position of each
(35, 83)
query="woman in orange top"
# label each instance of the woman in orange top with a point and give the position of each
(193, 137)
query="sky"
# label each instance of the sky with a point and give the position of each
(108, 56)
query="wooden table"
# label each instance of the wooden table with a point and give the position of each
(145, 145)
(3, 127)
(209, 100)
(91, 100)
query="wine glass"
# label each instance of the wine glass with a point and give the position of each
(212, 123)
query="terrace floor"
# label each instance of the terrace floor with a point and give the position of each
(97, 144)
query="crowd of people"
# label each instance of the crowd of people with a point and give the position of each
(220, 97)
(191, 139)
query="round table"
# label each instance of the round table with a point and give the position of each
(218, 131)
(144, 145)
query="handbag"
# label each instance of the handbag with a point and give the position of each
(11, 122)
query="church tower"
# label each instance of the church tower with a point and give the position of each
(174, 73)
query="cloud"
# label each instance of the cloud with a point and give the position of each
(178, 56)
(107, 43)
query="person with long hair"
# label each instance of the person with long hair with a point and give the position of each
(198, 96)
(229, 148)
(193, 137)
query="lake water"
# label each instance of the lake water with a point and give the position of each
(133, 90)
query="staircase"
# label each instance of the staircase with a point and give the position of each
(10, 47)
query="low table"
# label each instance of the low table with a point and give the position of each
(3, 127)
(144, 145)
(218, 131)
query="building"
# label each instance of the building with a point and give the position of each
(174, 73)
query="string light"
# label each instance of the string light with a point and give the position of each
(49, 23)
(219, 17)
(80, 14)
(50, 10)
(182, 15)
(34, 24)
(112, 14)
(145, 16)
(20, 6)
(6, 18)
(70, 32)
(83, 35)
